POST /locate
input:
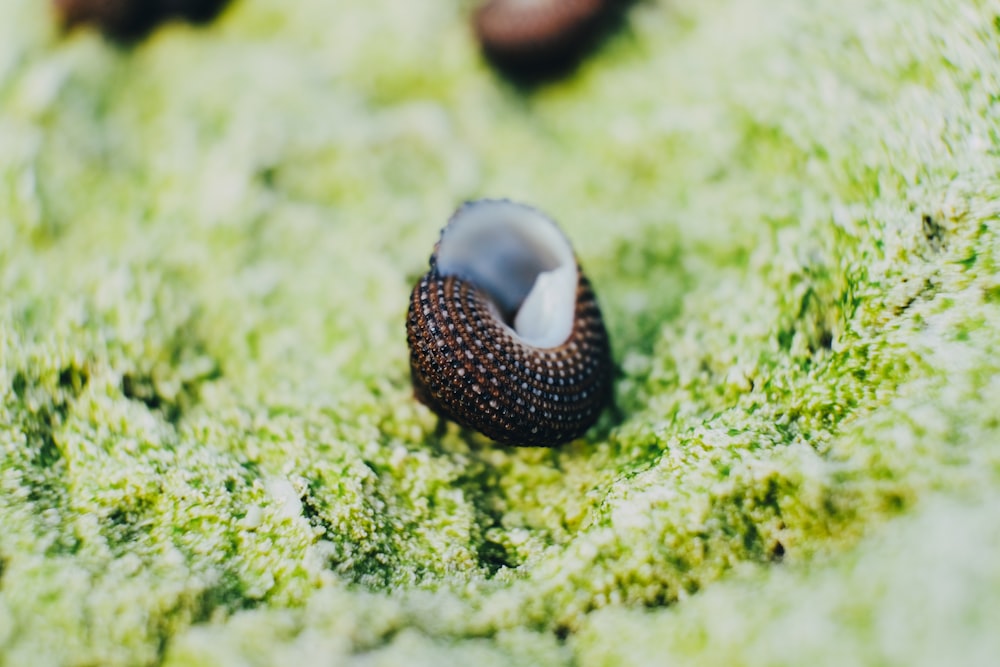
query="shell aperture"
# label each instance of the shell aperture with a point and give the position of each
(521, 260)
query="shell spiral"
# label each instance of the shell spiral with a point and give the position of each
(470, 364)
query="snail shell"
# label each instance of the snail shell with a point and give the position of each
(127, 20)
(120, 19)
(534, 36)
(505, 334)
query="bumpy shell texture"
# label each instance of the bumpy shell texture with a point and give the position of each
(480, 358)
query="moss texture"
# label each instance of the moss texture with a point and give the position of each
(210, 453)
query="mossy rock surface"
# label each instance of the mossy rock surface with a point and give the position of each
(209, 450)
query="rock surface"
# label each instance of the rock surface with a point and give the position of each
(209, 453)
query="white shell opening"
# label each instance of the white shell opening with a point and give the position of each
(521, 259)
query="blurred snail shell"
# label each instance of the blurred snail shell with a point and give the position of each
(534, 36)
(504, 331)
(127, 20)
(121, 19)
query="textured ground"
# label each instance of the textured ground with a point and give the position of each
(210, 454)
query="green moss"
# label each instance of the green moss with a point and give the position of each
(209, 453)
(861, 608)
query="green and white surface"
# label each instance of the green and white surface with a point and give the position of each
(209, 454)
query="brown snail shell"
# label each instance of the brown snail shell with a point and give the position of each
(127, 20)
(121, 19)
(529, 37)
(504, 331)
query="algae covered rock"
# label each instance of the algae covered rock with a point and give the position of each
(209, 450)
